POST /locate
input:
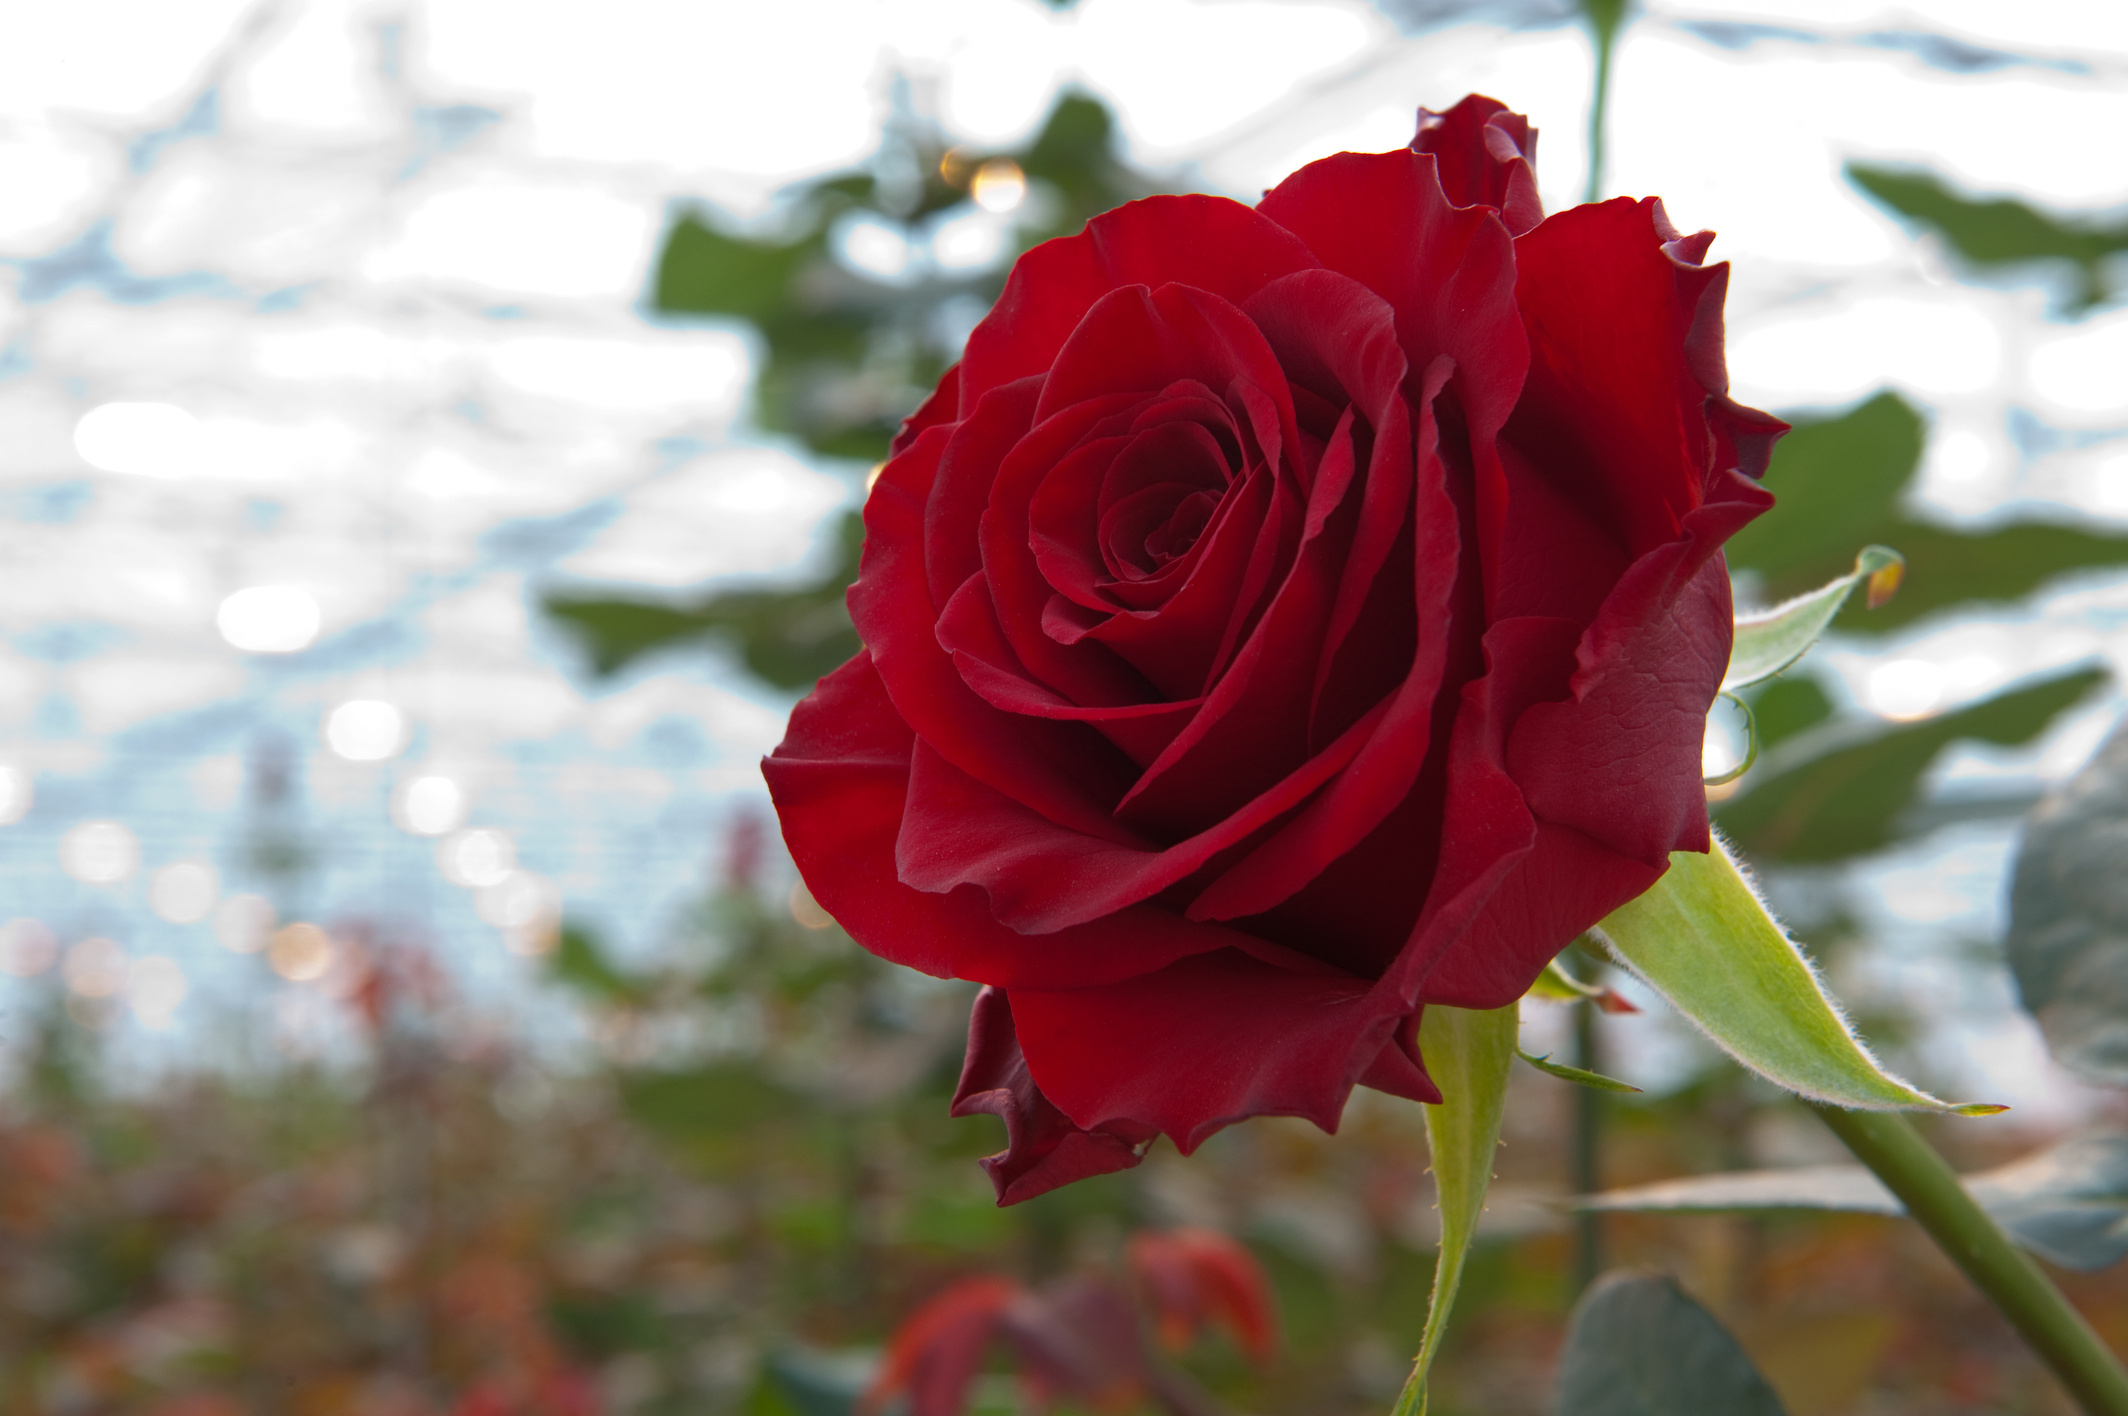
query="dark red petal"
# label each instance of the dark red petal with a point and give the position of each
(1620, 759)
(1616, 408)
(1210, 243)
(1040, 877)
(1485, 154)
(1043, 1148)
(1388, 765)
(1068, 772)
(840, 783)
(1449, 272)
(1203, 1043)
(1562, 885)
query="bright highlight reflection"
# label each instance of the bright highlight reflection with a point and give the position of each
(99, 853)
(96, 968)
(269, 619)
(243, 923)
(476, 859)
(27, 947)
(143, 439)
(999, 185)
(430, 806)
(17, 794)
(154, 987)
(1906, 688)
(184, 893)
(366, 730)
(300, 952)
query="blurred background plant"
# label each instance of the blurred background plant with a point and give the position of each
(327, 421)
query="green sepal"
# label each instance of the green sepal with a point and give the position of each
(1769, 642)
(1703, 940)
(1469, 1054)
(1576, 1074)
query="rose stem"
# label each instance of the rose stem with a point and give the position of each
(1587, 1139)
(1605, 18)
(1888, 1144)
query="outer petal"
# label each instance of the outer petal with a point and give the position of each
(1449, 273)
(840, 783)
(1202, 1044)
(1210, 243)
(1485, 154)
(1619, 759)
(1043, 1148)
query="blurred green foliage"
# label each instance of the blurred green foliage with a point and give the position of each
(1999, 231)
(1842, 794)
(1843, 482)
(848, 354)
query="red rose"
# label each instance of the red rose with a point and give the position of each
(1282, 619)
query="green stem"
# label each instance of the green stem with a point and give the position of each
(1888, 1144)
(1604, 19)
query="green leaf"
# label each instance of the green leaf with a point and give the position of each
(1840, 483)
(579, 962)
(1560, 986)
(1576, 1074)
(1638, 1345)
(788, 637)
(1783, 707)
(1770, 640)
(1840, 792)
(1469, 1053)
(2067, 1203)
(1702, 939)
(715, 1100)
(702, 271)
(1996, 231)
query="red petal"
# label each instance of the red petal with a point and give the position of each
(840, 781)
(1043, 1148)
(1485, 154)
(1210, 243)
(1449, 273)
(1203, 1043)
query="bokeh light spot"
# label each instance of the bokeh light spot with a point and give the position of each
(366, 730)
(477, 858)
(184, 892)
(269, 619)
(99, 853)
(27, 947)
(300, 952)
(430, 806)
(96, 968)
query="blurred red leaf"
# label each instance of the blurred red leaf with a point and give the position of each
(934, 1354)
(1192, 1279)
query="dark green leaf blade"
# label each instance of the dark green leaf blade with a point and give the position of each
(1840, 481)
(702, 271)
(788, 637)
(1995, 231)
(1834, 793)
(1638, 1345)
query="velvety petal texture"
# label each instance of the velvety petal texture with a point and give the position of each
(1282, 619)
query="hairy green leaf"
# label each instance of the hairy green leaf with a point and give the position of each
(1469, 1054)
(1702, 939)
(1638, 1345)
(1839, 792)
(1770, 640)
(1579, 1075)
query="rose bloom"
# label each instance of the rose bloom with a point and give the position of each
(1282, 619)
